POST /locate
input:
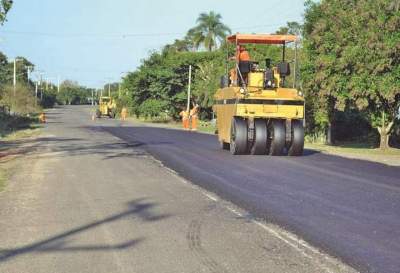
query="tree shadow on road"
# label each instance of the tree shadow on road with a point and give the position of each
(185, 140)
(70, 146)
(137, 209)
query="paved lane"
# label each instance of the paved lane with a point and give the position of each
(348, 207)
(85, 201)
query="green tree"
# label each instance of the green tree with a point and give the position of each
(209, 31)
(23, 65)
(113, 87)
(376, 59)
(4, 69)
(206, 82)
(318, 68)
(353, 60)
(164, 77)
(22, 101)
(152, 108)
(293, 28)
(71, 93)
(49, 98)
(5, 6)
(178, 46)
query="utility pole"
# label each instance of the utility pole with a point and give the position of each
(48, 82)
(190, 82)
(28, 70)
(36, 92)
(295, 66)
(15, 77)
(41, 89)
(109, 89)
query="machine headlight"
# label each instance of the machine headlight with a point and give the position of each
(242, 91)
(300, 93)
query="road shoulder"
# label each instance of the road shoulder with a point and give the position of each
(14, 149)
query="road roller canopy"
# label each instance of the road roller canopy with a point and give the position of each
(269, 39)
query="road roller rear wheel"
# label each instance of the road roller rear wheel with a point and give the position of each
(277, 137)
(259, 146)
(297, 143)
(238, 144)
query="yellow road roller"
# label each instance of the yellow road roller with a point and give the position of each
(257, 111)
(107, 107)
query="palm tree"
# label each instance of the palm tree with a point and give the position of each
(209, 31)
(178, 46)
(194, 38)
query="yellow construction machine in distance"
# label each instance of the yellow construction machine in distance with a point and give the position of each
(257, 112)
(107, 107)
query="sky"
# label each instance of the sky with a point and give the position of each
(97, 41)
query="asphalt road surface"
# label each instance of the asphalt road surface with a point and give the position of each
(349, 208)
(83, 200)
(90, 197)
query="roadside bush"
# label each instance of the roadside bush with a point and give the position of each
(124, 101)
(12, 123)
(49, 99)
(22, 101)
(395, 137)
(352, 125)
(152, 108)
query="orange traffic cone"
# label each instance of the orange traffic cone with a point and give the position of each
(42, 118)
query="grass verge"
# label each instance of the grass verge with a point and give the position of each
(14, 125)
(20, 134)
(354, 148)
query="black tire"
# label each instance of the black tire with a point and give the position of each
(259, 146)
(98, 113)
(277, 137)
(297, 143)
(238, 144)
(112, 114)
(224, 145)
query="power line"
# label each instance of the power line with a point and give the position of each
(87, 35)
(259, 26)
(120, 35)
